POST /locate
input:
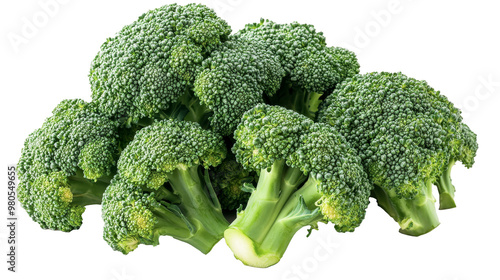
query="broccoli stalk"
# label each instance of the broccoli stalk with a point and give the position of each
(187, 107)
(296, 99)
(274, 234)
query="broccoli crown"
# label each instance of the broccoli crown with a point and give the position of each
(303, 54)
(150, 63)
(75, 139)
(167, 145)
(342, 182)
(404, 130)
(233, 80)
(267, 134)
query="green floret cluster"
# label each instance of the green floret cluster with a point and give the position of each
(66, 164)
(162, 188)
(307, 173)
(312, 68)
(408, 136)
(199, 133)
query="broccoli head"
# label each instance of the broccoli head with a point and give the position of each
(66, 164)
(307, 173)
(408, 136)
(161, 188)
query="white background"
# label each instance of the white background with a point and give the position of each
(454, 45)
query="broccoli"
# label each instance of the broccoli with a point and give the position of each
(161, 189)
(67, 164)
(409, 136)
(312, 69)
(308, 173)
(179, 62)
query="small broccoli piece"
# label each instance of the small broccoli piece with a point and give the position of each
(312, 68)
(67, 164)
(161, 189)
(308, 173)
(408, 136)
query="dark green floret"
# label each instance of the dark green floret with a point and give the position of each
(408, 136)
(66, 164)
(163, 188)
(146, 69)
(307, 174)
(234, 79)
(312, 69)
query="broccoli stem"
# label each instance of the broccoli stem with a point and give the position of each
(85, 191)
(298, 211)
(272, 191)
(172, 224)
(415, 216)
(203, 214)
(446, 188)
(296, 99)
(308, 192)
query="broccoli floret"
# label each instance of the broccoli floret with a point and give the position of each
(408, 136)
(150, 63)
(161, 188)
(312, 68)
(67, 164)
(308, 173)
